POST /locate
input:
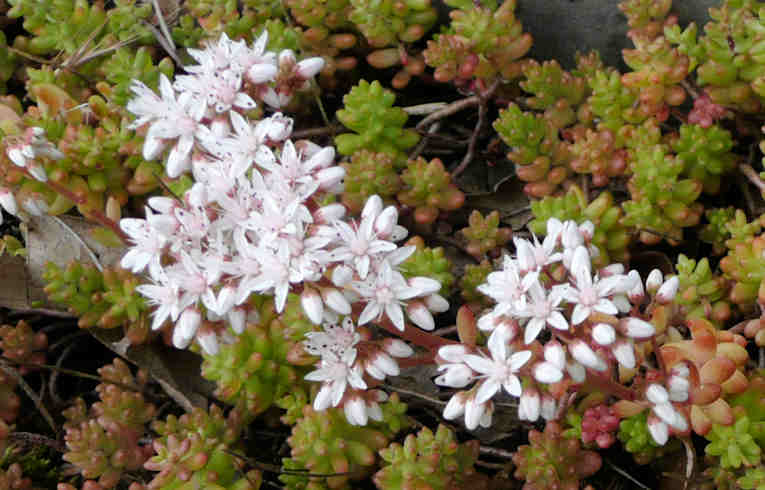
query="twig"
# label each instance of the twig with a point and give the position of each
(690, 459)
(752, 176)
(169, 45)
(482, 98)
(627, 475)
(414, 394)
(495, 451)
(312, 132)
(9, 370)
(270, 468)
(54, 375)
(7, 362)
(424, 141)
(450, 109)
(473, 141)
(90, 252)
(41, 311)
(423, 109)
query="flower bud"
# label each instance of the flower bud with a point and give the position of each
(654, 280)
(668, 290)
(312, 304)
(529, 405)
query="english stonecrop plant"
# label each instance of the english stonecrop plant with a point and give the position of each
(282, 260)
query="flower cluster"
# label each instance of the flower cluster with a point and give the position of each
(590, 321)
(253, 220)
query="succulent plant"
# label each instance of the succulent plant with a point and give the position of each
(430, 460)
(484, 235)
(733, 444)
(367, 174)
(378, 126)
(428, 189)
(255, 369)
(553, 461)
(429, 262)
(21, 343)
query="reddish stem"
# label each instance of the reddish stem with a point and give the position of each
(609, 386)
(415, 335)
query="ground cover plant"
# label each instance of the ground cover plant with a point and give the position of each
(374, 244)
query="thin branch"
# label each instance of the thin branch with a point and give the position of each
(424, 141)
(627, 475)
(752, 176)
(473, 141)
(414, 394)
(313, 132)
(496, 452)
(30, 393)
(7, 362)
(450, 109)
(423, 109)
(169, 45)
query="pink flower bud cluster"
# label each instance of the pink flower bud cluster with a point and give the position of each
(599, 425)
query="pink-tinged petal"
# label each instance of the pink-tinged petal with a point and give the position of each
(436, 303)
(666, 412)
(386, 364)
(336, 301)
(310, 67)
(549, 409)
(454, 353)
(488, 389)
(236, 318)
(420, 315)
(668, 290)
(473, 413)
(456, 376)
(576, 371)
(581, 313)
(209, 343)
(479, 364)
(657, 394)
(244, 101)
(637, 328)
(261, 73)
(654, 281)
(525, 253)
(312, 304)
(518, 359)
(555, 354)
(372, 208)
(546, 372)
(400, 254)
(330, 177)
(396, 315)
(533, 327)
(455, 407)
(581, 267)
(355, 411)
(371, 312)
(397, 348)
(584, 354)
(658, 430)
(497, 344)
(624, 354)
(529, 405)
(323, 398)
(557, 320)
(604, 334)
(338, 390)
(424, 285)
(513, 386)
(605, 305)
(386, 220)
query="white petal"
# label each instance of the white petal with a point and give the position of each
(488, 389)
(656, 394)
(637, 328)
(513, 386)
(604, 334)
(312, 304)
(659, 431)
(546, 372)
(455, 407)
(624, 354)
